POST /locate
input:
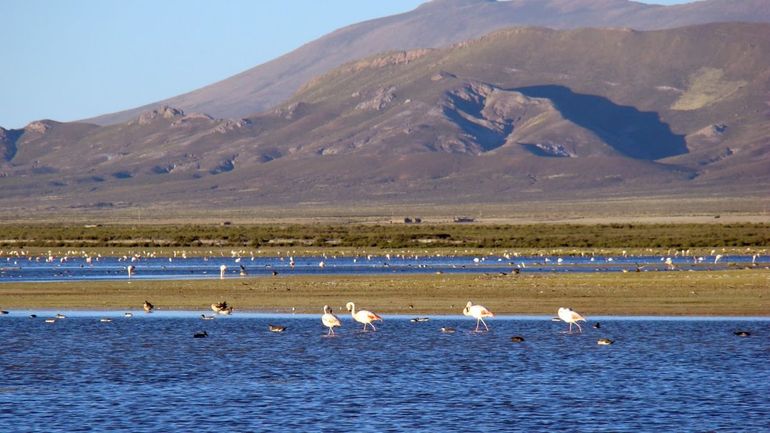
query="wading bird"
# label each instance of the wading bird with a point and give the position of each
(222, 270)
(478, 312)
(276, 328)
(570, 316)
(363, 316)
(148, 307)
(330, 320)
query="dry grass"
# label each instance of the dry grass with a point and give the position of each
(733, 292)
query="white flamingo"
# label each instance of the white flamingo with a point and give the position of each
(222, 270)
(131, 269)
(330, 320)
(478, 312)
(363, 316)
(571, 316)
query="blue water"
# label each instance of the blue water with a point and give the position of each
(148, 374)
(111, 268)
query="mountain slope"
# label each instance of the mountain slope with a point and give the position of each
(436, 23)
(520, 114)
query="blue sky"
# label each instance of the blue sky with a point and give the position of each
(68, 60)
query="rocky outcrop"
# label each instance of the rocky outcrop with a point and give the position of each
(381, 99)
(164, 112)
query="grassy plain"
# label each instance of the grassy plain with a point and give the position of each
(739, 292)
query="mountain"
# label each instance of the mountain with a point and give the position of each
(517, 115)
(436, 23)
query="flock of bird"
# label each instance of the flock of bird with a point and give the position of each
(366, 317)
(514, 259)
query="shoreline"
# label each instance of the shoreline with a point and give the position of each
(731, 293)
(345, 316)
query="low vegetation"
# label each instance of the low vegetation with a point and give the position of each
(425, 236)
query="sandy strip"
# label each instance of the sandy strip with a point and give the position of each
(743, 292)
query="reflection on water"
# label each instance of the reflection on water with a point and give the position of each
(148, 374)
(19, 269)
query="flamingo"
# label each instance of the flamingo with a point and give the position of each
(478, 312)
(131, 269)
(363, 316)
(222, 270)
(330, 320)
(570, 316)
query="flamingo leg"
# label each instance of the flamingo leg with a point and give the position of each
(372, 325)
(477, 325)
(485, 323)
(579, 328)
(364, 326)
(570, 328)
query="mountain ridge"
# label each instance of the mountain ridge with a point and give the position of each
(432, 24)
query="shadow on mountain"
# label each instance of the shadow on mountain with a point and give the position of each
(634, 133)
(8, 143)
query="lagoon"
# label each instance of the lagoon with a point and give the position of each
(147, 373)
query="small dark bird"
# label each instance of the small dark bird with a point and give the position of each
(419, 319)
(275, 273)
(604, 342)
(517, 339)
(148, 307)
(203, 334)
(3, 312)
(447, 330)
(742, 333)
(597, 325)
(33, 316)
(276, 328)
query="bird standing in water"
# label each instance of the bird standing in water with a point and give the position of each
(330, 320)
(571, 316)
(363, 316)
(478, 312)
